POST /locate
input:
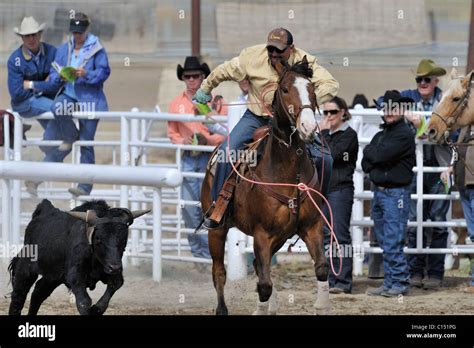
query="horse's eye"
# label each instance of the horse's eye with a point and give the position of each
(284, 90)
(456, 99)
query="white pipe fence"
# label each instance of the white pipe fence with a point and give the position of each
(95, 174)
(134, 145)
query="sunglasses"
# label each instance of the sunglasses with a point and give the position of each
(425, 79)
(272, 49)
(191, 76)
(330, 112)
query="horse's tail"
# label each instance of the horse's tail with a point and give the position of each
(12, 266)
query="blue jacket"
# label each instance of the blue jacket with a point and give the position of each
(21, 66)
(416, 96)
(90, 87)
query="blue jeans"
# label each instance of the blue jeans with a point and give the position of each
(35, 106)
(390, 209)
(243, 133)
(62, 108)
(67, 131)
(435, 237)
(467, 201)
(341, 201)
(191, 191)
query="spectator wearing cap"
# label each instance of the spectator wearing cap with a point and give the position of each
(344, 145)
(84, 52)
(389, 161)
(28, 74)
(427, 270)
(256, 64)
(192, 74)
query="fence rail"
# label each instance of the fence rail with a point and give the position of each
(132, 149)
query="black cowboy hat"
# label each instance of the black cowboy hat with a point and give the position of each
(392, 97)
(192, 63)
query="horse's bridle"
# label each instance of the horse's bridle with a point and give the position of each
(458, 110)
(291, 116)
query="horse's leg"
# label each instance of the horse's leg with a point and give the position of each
(273, 301)
(263, 253)
(314, 240)
(217, 248)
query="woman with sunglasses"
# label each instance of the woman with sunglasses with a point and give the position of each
(343, 143)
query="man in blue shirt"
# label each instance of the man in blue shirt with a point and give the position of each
(28, 80)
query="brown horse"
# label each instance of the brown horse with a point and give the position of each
(255, 209)
(455, 109)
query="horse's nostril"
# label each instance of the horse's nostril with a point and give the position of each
(432, 133)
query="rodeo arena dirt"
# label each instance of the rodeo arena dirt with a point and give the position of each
(157, 155)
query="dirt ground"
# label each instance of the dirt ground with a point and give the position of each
(187, 289)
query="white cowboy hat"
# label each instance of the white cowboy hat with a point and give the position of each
(29, 26)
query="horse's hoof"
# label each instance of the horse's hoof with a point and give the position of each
(262, 308)
(260, 312)
(322, 310)
(222, 311)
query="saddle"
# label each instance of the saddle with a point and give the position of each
(225, 196)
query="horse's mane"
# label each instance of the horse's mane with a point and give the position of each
(302, 68)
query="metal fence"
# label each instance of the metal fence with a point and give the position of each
(131, 149)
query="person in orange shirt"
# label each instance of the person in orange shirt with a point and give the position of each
(193, 73)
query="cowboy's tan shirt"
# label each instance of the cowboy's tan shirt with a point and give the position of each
(253, 64)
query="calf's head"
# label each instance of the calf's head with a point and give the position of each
(108, 234)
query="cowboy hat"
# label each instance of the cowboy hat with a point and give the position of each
(29, 26)
(192, 63)
(427, 67)
(393, 98)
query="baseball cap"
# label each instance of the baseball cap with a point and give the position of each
(279, 38)
(79, 23)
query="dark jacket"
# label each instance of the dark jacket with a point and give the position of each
(390, 156)
(344, 147)
(21, 66)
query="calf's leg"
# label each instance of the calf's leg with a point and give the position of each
(83, 300)
(101, 306)
(43, 288)
(22, 280)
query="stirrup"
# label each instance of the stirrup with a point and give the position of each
(210, 224)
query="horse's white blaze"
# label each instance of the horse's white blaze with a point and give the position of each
(306, 122)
